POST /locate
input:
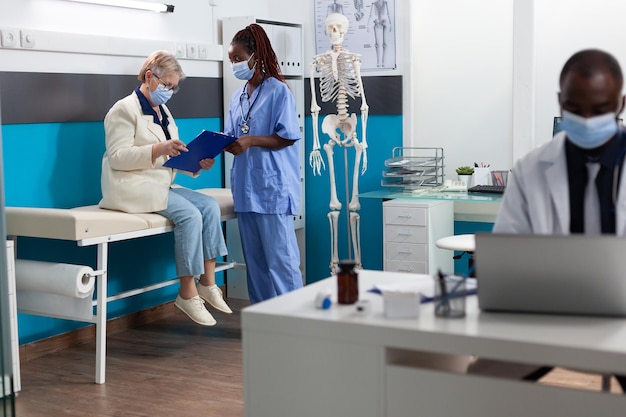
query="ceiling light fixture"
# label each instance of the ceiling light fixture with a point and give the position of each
(132, 4)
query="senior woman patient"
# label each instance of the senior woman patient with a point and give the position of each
(141, 135)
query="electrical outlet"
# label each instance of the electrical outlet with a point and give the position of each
(203, 51)
(181, 50)
(192, 50)
(27, 39)
(9, 37)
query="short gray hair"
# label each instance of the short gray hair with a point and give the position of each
(161, 63)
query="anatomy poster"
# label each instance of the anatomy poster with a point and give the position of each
(372, 31)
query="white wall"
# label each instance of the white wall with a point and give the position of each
(462, 80)
(484, 74)
(562, 28)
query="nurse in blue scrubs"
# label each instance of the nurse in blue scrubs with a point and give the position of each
(265, 177)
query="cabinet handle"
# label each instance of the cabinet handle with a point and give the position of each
(405, 252)
(405, 234)
(405, 270)
(404, 216)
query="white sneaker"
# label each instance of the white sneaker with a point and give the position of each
(195, 309)
(213, 295)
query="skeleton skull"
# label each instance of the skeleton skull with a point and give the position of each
(336, 27)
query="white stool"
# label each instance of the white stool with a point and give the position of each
(462, 243)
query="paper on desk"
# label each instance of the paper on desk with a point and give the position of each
(424, 286)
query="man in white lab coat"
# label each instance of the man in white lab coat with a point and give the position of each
(545, 193)
(548, 191)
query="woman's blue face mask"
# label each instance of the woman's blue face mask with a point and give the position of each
(589, 132)
(160, 95)
(242, 71)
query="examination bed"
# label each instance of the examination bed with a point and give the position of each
(91, 225)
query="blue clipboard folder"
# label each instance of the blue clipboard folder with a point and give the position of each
(206, 145)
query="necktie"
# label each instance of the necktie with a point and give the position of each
(592, 203)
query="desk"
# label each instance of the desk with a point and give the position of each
(300, 361)
(468, 207)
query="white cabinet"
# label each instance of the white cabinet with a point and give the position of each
(287, 43)
(410, 231)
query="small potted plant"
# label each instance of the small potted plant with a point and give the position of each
(465, 174)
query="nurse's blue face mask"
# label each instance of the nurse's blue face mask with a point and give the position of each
(242, 71)
(589, 132)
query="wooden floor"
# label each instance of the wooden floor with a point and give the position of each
(170, 367)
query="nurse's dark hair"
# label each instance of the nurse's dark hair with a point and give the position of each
(256, 42)
(591, 61)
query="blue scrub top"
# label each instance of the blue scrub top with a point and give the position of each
(266, 180)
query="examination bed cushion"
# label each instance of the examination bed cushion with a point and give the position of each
(91, 221)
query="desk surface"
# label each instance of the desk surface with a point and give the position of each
(586, 343)
(470, 207)
(436, 195)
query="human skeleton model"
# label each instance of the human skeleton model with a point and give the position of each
(358, 5)
(340, 77)
(382, 24)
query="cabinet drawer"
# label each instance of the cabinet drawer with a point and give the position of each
(406, 234)
(413, 252)
(415, 216)
(410, 267)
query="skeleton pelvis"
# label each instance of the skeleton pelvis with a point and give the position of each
(332, 125)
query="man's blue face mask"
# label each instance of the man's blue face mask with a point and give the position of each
(589, 132)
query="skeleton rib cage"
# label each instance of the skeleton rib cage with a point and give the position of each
(344, 80)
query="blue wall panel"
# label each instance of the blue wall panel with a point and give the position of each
(462, 228)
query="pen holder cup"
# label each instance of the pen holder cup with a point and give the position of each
(450, 296)
(499, 177)
(481, 176)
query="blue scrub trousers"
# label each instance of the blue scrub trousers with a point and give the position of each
(271, 253)
(198, 233)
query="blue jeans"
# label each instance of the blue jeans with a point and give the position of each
(197, 229)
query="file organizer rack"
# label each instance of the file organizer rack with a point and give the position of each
(411, 168)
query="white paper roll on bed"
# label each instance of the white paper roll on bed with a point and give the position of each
(54, 278)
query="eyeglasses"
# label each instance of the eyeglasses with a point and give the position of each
(173, 89)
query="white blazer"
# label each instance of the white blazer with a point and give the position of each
(536, 200)
(130, 181)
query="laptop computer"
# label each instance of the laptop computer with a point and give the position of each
(576, 274)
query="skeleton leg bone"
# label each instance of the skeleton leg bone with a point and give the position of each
(333, 219)
(355, 228)
(334, 204)
(355, 204)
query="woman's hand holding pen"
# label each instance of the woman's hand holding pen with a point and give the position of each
(172, 147)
